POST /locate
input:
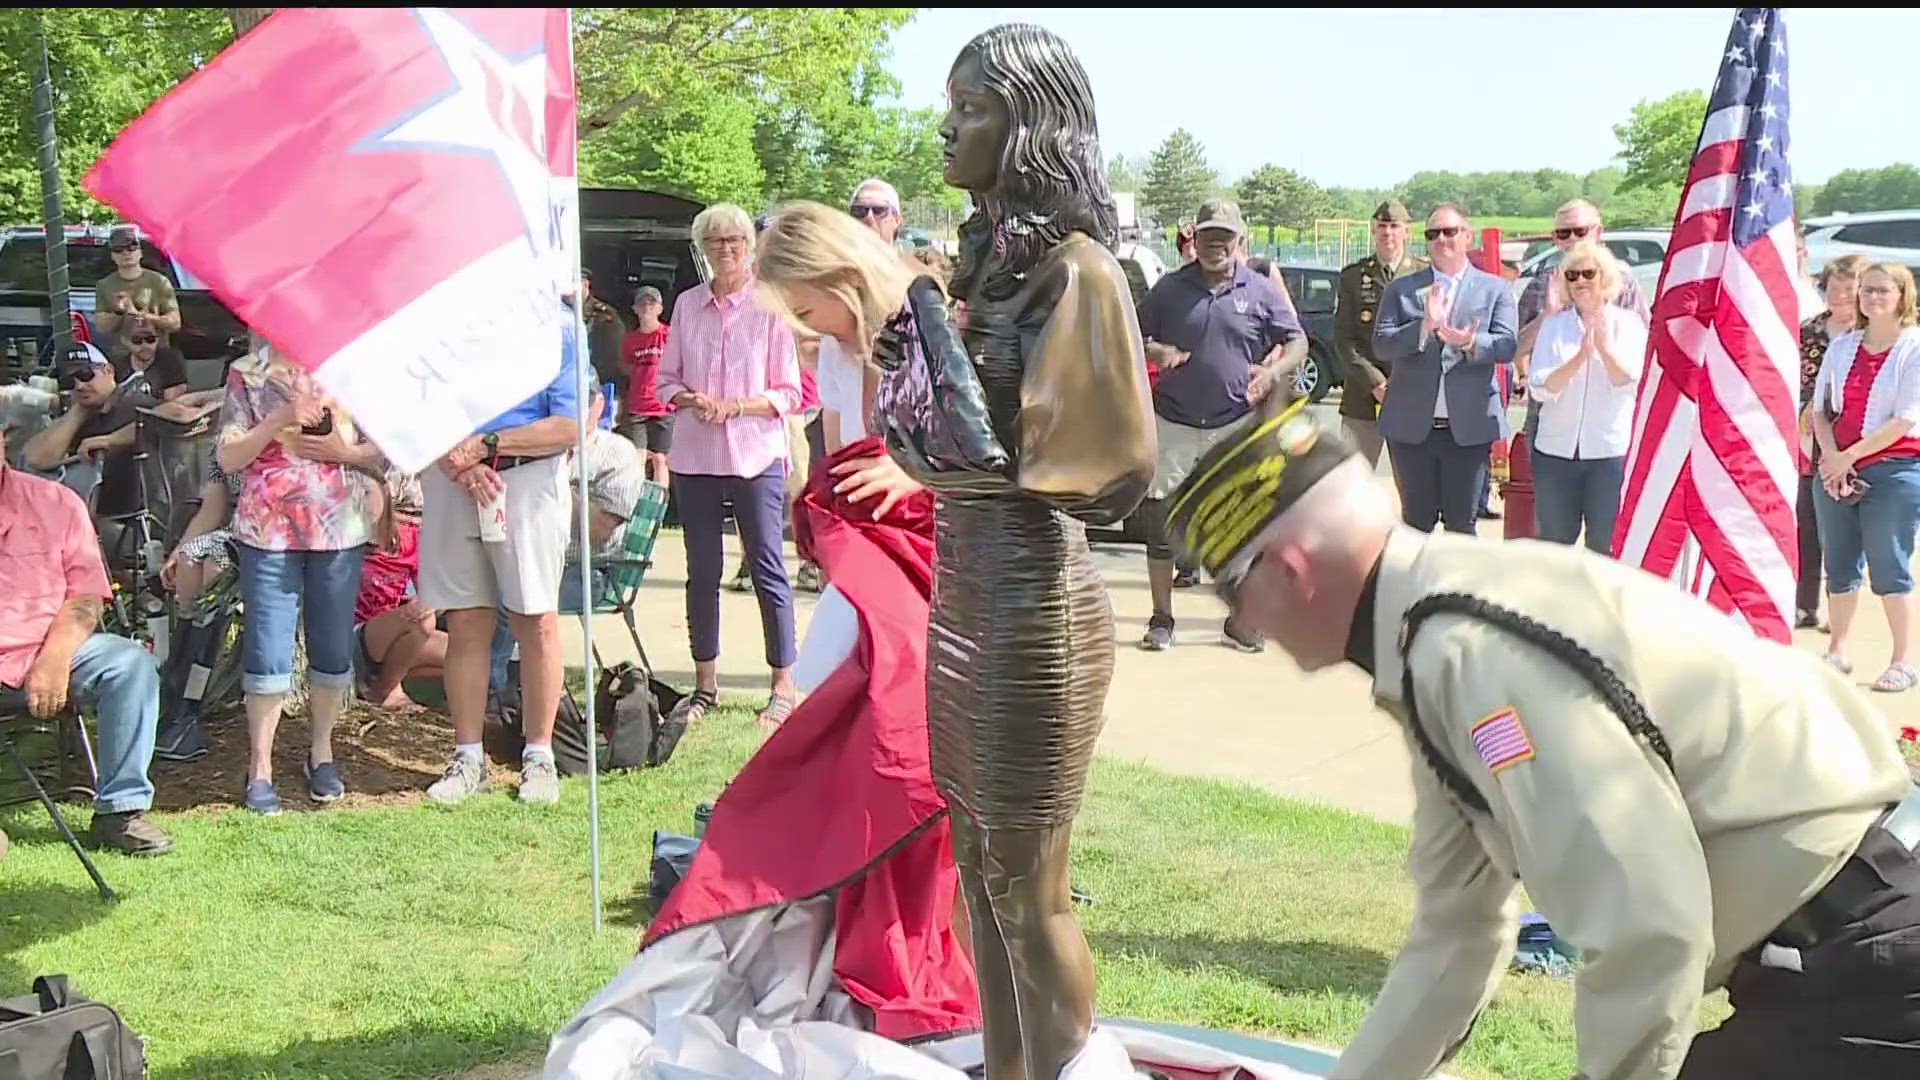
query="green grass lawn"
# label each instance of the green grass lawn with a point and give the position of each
(412, 941)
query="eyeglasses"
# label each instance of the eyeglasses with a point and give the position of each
(144, 339)
(726, 241)
(1877, 290)
(864, 211)
(1448, 231)
(1578, 232)
(1583, 274)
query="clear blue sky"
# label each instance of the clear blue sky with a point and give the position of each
(1287, 86)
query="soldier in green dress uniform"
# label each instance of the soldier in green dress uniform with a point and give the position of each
(1355, 307)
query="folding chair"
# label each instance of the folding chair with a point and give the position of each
(71, 770)
(621, 590)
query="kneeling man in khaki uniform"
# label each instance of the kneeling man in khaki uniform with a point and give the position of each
(1689, 805)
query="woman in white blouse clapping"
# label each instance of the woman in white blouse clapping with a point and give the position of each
(1584, 371)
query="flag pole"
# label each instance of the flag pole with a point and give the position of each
(582, 365)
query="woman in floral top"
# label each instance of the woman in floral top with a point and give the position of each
(301, 527)
(1837, 285)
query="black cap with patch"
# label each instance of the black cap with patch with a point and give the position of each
(1241, 484)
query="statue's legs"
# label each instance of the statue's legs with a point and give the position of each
(1049, 966)
(999, 1007)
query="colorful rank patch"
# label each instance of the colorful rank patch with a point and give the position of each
(1501, 741)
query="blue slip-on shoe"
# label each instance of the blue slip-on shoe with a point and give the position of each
(261, 798)
(323, 782)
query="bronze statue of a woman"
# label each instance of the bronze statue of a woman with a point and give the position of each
(1020, 647)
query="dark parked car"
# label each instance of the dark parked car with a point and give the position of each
(209, 334)
(635, 238)
(1313, 290)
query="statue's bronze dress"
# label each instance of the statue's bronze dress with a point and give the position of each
(1021, 646)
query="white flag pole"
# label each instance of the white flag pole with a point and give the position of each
(584, 381)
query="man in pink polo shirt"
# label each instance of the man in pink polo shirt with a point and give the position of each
(52, 588)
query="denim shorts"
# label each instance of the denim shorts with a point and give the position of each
(1876, 533)
(281, 588)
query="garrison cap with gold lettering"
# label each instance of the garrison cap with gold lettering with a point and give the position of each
(1241, 484)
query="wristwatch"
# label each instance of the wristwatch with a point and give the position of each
(491, 440)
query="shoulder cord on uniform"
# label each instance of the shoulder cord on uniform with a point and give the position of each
(1606, 683)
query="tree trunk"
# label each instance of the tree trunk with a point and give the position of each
(246, 18)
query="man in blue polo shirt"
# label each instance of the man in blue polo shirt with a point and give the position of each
(1221, 336)
(493, 534)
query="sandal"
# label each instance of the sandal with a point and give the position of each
(776, 713)
(694, 706)
(1897, 678)
(1839, 663)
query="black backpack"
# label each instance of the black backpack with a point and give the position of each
(633, 719)
(54, 1034)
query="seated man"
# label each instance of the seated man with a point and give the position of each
(616, 474)
(99, 425)
(398, 636)
(52, 587)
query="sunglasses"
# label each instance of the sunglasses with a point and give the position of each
(1587, 274)
(1579, 233)
(144, 339)
(1448, 231)
(122, 249)
(864, 211)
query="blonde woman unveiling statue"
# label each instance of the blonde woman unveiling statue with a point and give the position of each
(1042, 425)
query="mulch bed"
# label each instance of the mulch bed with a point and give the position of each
(386, 758)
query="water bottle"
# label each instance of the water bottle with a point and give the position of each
(154, 599)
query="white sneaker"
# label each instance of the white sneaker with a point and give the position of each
(539, 782)
(464, 776)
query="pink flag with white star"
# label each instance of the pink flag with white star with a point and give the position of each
(387, 195)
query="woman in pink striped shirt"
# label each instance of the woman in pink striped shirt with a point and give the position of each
(731, 372)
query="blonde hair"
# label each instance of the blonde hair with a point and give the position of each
(806, 243)
(1589, 251)
(1908, 309)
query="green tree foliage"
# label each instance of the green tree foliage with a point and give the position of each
(821, 148)
(672, 98)
(1126, 173)
(1274, 196)
(1178, 178)
(1890, 187)
(108, 65)
(1658, 139)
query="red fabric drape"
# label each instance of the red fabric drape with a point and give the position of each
(842, 796)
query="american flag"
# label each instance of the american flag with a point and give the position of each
(1711, 474)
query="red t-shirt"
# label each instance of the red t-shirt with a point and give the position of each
(640, 356)
(384, 576)
(809, 391)
(1850, 426)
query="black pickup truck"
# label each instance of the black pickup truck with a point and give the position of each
(209, 334)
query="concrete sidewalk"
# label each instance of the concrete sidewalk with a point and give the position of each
(1199, 709)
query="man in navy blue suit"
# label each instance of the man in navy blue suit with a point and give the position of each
(1444, 329)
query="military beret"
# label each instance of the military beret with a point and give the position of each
(1242, 483)
(1392, 210)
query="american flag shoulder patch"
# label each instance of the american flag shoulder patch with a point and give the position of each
(1501, 741)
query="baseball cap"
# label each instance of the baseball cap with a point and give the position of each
(123, 238)
(1392, 210)
(1219, 214)
(1241, 485)
(648, 292)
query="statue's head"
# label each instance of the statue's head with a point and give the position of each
(1020, 135)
